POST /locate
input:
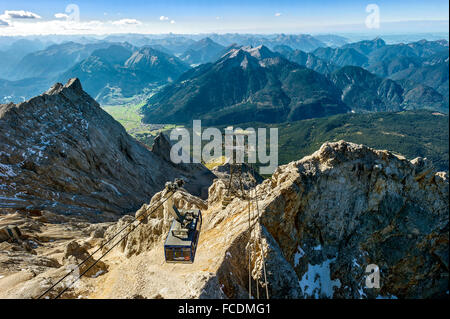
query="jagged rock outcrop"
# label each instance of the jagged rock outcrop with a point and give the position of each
(323, 220)
(348, 206)
(61, 152)
(319, 223)
(75, 254)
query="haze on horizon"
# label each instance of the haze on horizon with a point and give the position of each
(47, 17)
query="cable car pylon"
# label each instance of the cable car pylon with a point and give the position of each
(235, 188)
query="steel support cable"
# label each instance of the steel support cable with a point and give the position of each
(257, 281)
(249, 241)
(255, 198)
(253, 228)
(126, 235)
(250, 200)
(262, 250)
(103, 245)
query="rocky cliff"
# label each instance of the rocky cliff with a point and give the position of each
(348, 206)
(61, 152)
(319, 223)
(323, 220)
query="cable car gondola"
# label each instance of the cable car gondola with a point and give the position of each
(181, 242)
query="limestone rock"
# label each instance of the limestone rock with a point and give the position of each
(348, 206)
(319, 223)
(75, 254)
(322, 221)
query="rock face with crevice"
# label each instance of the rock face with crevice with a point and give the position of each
(61, 152)
(347, 206)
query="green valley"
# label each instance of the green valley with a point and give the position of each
(130, 117)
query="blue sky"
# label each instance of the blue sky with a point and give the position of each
(201, 16)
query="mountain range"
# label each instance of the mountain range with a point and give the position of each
(369, 75)
(72, 179)
(264, 85)
(105, 68)
(270, 88)
(423, 62)
(12, 53)
(53, 60)
(118, 68)
(203, 51)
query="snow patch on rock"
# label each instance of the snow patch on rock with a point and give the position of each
(299, 254)
(316, 282)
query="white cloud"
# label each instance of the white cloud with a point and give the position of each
(61, 16)
(277, 14)
(19, 14)
(172, 21)
(163, 18)
(60, 26)
(127, 22)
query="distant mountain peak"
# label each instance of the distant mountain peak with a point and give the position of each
(148, 57)
(202, 51)
(379, 41)
(73, 84)
(206, 40)
(261, 52)
(234, 52)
